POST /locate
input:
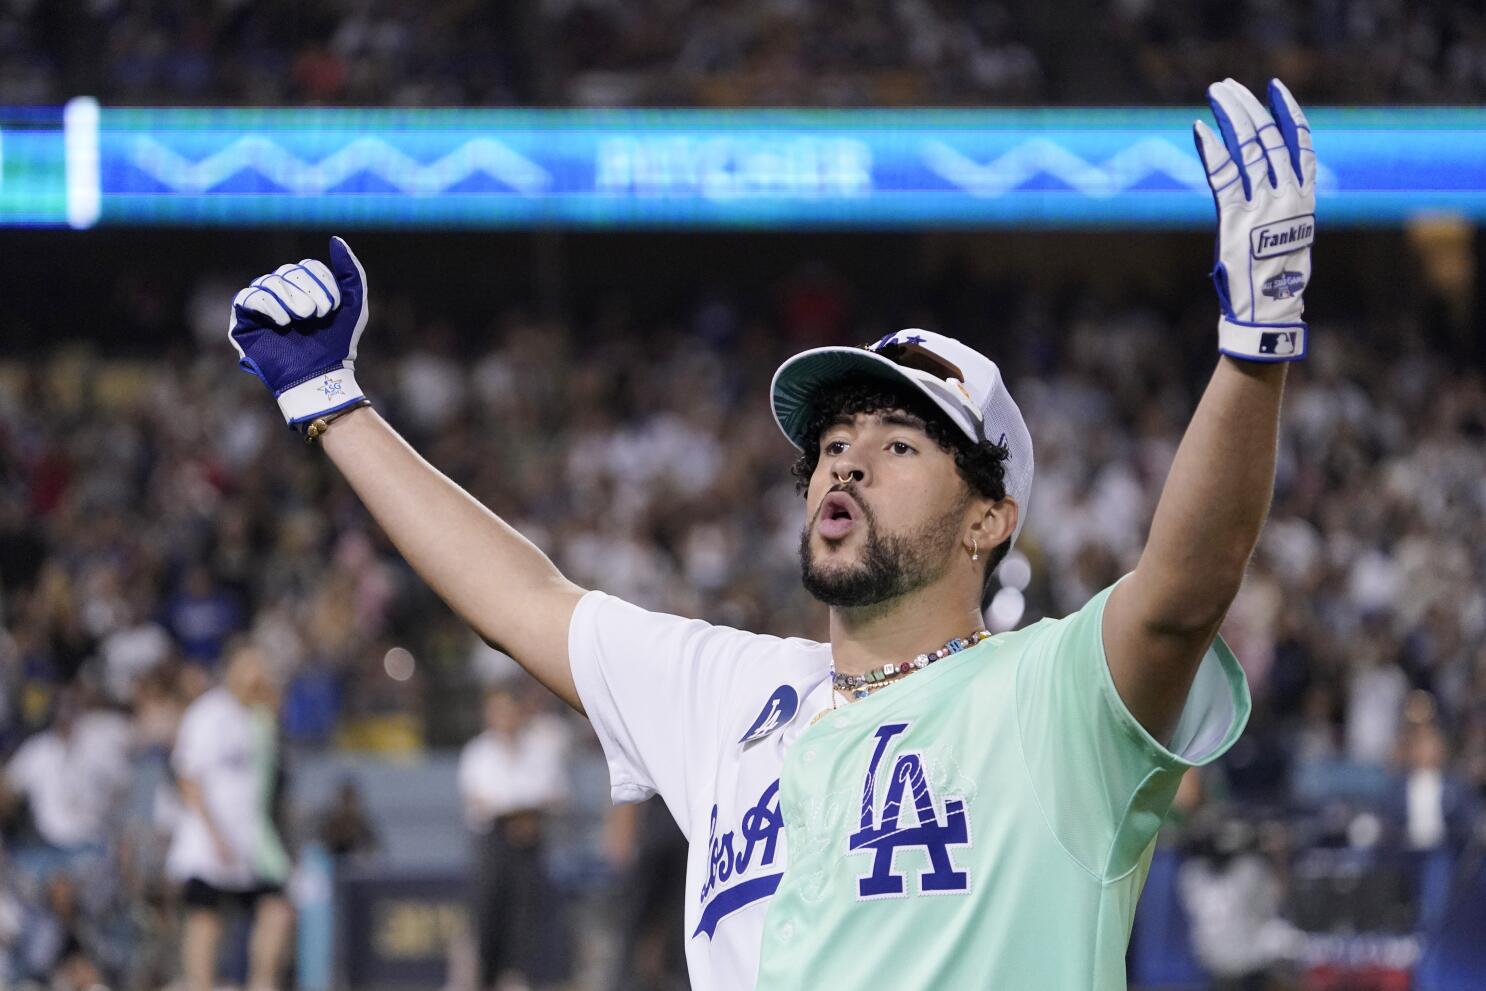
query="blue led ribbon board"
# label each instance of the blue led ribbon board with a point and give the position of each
(33, 167)
(1053, 168)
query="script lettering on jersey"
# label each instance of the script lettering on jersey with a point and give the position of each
(731, 854)
(883, 834)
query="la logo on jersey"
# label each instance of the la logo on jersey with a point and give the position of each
(780, 709)
(883, 833)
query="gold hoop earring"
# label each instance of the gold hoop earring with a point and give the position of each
(975, 555)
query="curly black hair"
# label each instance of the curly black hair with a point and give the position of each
(981, 465)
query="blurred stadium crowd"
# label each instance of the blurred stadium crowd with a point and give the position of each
(153, 512)
(150, 513)
(776, 53)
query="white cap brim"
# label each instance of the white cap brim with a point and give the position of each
(799, 382)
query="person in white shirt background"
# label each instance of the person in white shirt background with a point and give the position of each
(511, 778)
(71, 776)
(70, 779)
(226, 850)
(1434, 807)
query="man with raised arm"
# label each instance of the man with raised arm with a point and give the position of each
(915, 803)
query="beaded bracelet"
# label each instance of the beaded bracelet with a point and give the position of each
(320, 424)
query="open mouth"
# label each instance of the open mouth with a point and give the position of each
(838, 515)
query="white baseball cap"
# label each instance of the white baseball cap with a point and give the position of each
(961, 381)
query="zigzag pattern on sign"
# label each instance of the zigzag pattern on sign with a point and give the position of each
(363, 155)
(1041, 156)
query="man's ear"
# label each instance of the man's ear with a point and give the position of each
(996, 522)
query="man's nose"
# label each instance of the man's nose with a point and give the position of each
(843, 472)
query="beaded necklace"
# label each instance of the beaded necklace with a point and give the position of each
(859, 686)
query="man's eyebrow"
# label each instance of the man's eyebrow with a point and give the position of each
(892, 418)
(898, 418)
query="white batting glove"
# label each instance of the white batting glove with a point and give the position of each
(1263, 175)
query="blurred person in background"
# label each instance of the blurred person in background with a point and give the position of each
(648, 856)
(1433, 805)
(511, 779)
(70, 777)
(227, 851)
(201, 615)
(345, 828)
(61, 943)
(12, 912)
(160, 702)
(1233, 893)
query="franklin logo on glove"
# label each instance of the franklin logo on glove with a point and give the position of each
(1283, 238)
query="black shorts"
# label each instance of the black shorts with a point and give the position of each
(199, 894)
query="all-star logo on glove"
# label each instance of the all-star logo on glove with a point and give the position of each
(1263, 176)
(297, 329)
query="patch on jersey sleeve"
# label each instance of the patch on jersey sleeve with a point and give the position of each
(777, 712)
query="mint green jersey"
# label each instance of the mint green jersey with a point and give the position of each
(988, 822)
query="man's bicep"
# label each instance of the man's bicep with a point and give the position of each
(1152, 667)
(537, 636)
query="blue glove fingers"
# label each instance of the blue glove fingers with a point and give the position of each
(1223, 176)
(1222, 170)
(1290, 119)
(1265, 132)
(351, 278)
(349, 274)
(1229, 106)
(1228, 128)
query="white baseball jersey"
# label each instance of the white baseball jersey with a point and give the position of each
(228, 749)
(1002, 799)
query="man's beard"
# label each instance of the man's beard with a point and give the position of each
(890, 566)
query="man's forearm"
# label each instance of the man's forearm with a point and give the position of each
(493, 577)
(1215, 498)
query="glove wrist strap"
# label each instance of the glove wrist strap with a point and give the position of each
(321, 393)
(1261, 341)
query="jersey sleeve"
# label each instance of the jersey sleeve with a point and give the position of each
(656, 688)
(191, 755)
(1104, 783)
